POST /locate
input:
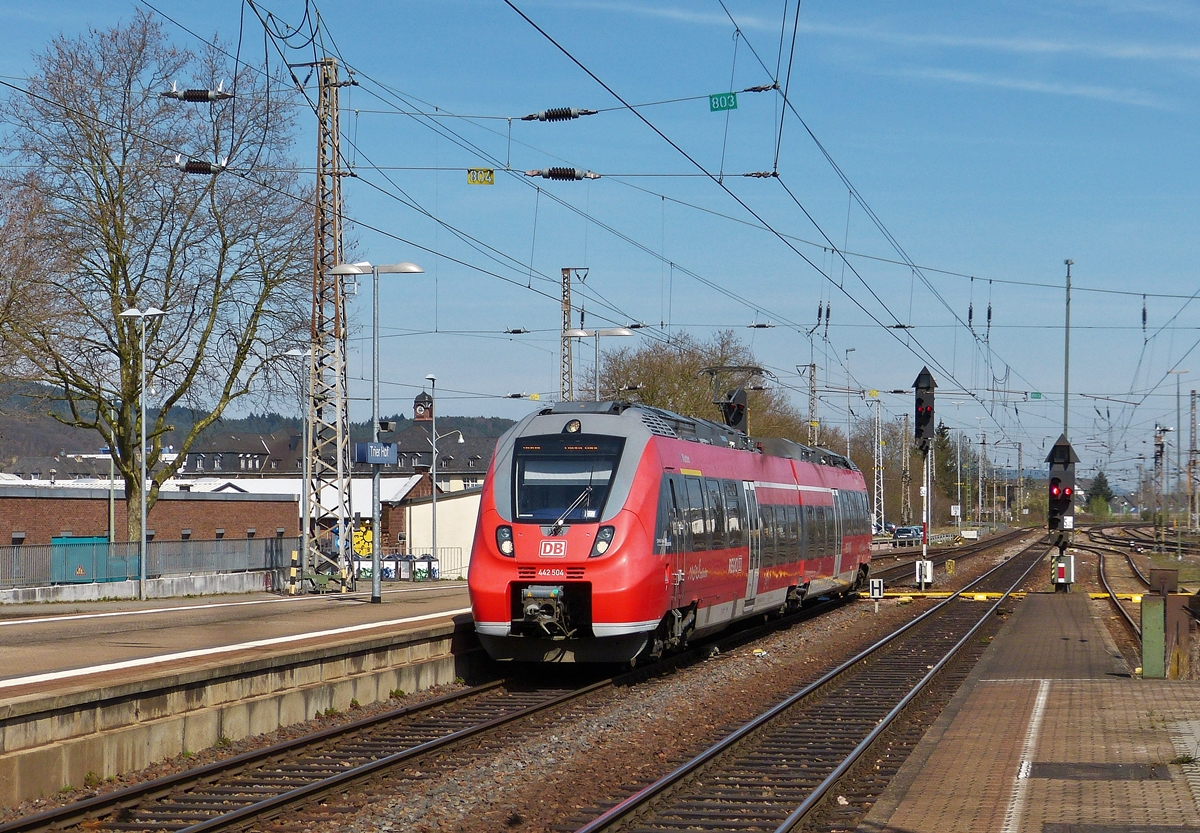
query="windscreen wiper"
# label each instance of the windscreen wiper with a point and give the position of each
(558, 525)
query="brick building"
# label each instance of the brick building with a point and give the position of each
(33, 513)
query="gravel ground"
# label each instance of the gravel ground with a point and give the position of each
(557, 769)
(561, 769)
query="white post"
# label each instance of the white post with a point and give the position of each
(433, 468)
(924, 518)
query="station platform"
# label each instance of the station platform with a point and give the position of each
(100, 689)
(1052, 733)
(60, 647)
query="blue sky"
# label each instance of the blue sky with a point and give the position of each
(988, 140)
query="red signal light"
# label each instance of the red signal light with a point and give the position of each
(1067, 491)
(1054, 491)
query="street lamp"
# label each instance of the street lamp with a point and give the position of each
(433, 468)
(595, 334)
(134, 312)
(376, 270)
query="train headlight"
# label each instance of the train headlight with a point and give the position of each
(504, 541)
(604, 537)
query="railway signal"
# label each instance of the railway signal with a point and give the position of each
(1060, 514)
(924, 430)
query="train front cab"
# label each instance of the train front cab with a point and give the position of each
(579, 585)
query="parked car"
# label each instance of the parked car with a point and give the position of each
(906, 536)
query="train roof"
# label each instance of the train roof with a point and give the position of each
(668, 424)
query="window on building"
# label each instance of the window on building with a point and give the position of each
(216, 462)
(185, 534)
(220, 533)
(250, 533)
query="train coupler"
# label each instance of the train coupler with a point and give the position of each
(543, 607)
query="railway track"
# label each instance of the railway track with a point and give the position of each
(1103, 548)
(244, 791)
(773, 773)
(901, 570)
(249, 789)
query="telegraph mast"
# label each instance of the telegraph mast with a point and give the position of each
(328, 412)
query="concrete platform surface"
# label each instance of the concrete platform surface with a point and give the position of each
(48, 648)
(1053, 734)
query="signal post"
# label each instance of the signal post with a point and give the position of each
(1060, 514)
(923, 433)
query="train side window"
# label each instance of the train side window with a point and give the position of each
(819, 526)
(682, 514)
(793, 530)
(697, 516)
(671, 532)
(716, 508)
(768, 535)
(733, 513)
(803, 531)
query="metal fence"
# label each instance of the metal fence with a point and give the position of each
(452, 563)
(82, 562)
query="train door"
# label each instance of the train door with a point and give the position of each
(753, 541)
(676, 500)
(837, 532)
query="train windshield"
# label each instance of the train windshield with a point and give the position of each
(564, 478)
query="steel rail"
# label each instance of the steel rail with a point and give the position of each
(96, 805)
(94, 810)
(622, 811)
(942, 556)
(1112, 594)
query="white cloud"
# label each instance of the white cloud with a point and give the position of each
(1133, 97)
(1013, 45)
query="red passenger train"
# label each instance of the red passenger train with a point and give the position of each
(609, 531)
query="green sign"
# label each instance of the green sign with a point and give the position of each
(722, 101)
(1035, 395)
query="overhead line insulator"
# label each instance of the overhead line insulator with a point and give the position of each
(199, 166)
(558, 114)
(198, 96)
(563, 173)
(762, 174)
(762, 88)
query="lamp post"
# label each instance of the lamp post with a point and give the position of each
(433, 438)
(142, 315)
(376, 271)
(595, 334)
(306, 470)
(433, 467)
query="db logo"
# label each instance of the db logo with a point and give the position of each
(553, 549)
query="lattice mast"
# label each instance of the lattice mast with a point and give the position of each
(566, 375)
(328, 411)
(1020, 482)
(1193, 509)
(813, 424)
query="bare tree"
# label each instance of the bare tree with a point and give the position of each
(671, 376)
(106, 222)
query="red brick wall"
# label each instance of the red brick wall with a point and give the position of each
(392, 516)
(42, 518)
